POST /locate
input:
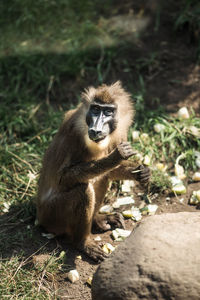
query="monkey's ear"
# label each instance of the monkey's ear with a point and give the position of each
(88, 95)
(117, 84)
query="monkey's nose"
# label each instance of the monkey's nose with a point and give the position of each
(95, 134)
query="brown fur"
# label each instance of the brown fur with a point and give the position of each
(76, 171)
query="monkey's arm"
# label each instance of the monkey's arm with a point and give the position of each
(84, 171)
(128, 171)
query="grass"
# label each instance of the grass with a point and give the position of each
(50, 51)
(187, 18)
(21, 279)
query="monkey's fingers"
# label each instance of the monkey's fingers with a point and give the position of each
(125, 150)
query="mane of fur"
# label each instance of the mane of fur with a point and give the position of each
(114, 94)
(107, 94)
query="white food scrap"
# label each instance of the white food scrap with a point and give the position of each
(195, 198)
(97, 238)
(149, 209)
(147, 160)
(183, 113)
(127, 214)
(179, 171)
(127, 186)
(120, 234)
(161, 167)
(108, 248)
(136, 214)
(49, 236)
(158, 127)
(89, 280)
(196, 176)
(179, 189)
(175, 180)
(106, 209)
(197, 156)
(73, 276)
(6, 207)
(145, 138)
(135, 135)
(123, 201)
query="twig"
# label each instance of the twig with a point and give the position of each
(22, 160)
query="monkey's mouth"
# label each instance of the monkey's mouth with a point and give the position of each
(96, 137)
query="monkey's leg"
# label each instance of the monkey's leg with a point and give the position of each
(71, 213)
(105, 222)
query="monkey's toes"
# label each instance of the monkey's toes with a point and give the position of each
(95, 252)
(116, 220)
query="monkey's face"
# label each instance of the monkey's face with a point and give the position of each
(101, 120)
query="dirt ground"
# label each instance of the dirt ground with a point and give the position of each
(175, 80)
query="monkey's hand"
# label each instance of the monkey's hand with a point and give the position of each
(142, 174)
(124, 150)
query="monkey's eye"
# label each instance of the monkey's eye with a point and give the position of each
(108, 112)
(95, 109)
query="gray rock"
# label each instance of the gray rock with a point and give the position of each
(160, 260)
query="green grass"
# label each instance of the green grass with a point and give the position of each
(188, 19)
(21, 279)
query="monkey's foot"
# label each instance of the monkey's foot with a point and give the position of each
(93, 251)
(107, 222)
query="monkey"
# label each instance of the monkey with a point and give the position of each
(89, 150)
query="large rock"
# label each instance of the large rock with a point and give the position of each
(160, 260)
